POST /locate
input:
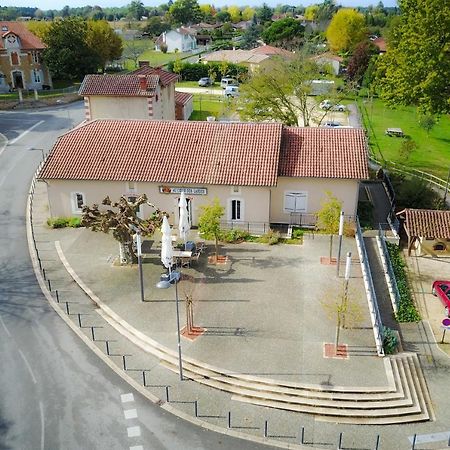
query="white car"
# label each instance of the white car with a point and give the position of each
(328, 105)
(232, 91)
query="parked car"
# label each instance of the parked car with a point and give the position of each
(232, 91)
(205, 81)
(228, 81)
(332, 125)
(441, 289)
(328, 105)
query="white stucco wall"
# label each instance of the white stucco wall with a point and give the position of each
(118, 107)
(345, 190)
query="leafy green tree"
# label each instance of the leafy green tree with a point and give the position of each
(121, 218)
(235, 13)
(136, 9)
(264, 14)
(250, 36)
(156, 26)
(328, 216)
(347, 28)
(185, 12)
(285, 32)
(68, 55)
(209, 222)
(223, 16)
(104, 42)
(416, 68)
(248, 13)
(427, 122)
(325, 11)
(280, 92)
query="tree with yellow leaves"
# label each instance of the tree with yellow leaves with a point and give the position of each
(347, 28)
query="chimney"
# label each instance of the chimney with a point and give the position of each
(142, 82)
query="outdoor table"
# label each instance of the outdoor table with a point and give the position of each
(182, 255)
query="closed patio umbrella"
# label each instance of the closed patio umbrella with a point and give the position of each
(183, 225)
(166, 244)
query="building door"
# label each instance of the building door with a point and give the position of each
(17, 79)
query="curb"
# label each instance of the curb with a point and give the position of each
(140, 389)
(3, 142)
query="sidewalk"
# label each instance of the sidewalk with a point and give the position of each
(264, 317)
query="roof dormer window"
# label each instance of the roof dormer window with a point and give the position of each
(4, 28)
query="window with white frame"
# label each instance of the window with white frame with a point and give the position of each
(236, 209)
(36, 76)
(35, 57)
(78, 201)
(295, 202)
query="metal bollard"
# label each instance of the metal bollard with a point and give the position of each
(143, 379)
(79, 319)
(92, 333)
(414, 442)
(57, 296)
(124, 362)
(339, 447)
(49, 285)
(167, 394)
(67, 308)
(378, 442)
(266, 428)
(229, 419)
(196, 408)
(107, 347)
(302, 436)
(43, 274)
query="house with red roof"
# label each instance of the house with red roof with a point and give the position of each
(147, 93)
(178, 40)
(329, 60)
(21, 65)
(260, 172)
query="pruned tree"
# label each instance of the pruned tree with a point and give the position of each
(328, 216)
(121, 218)
(209, 222)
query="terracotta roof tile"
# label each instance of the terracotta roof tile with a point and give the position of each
(181, 98)
(429, 223)
(165, 76)
(244, 154)
(324, 153)
(28, 40)
(271, 50)
(118, 85)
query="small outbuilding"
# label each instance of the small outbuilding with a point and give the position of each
(428, 230)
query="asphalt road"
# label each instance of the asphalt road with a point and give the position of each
(54, 392)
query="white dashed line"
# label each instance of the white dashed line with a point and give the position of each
(4, 326)
(25, 132)
(127, 398)
(130, 413)
(41, 410)
(433, 437)
(28, 367)
(137, 447)
(134, 431)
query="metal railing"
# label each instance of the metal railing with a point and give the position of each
(375, 316)
(389, 271)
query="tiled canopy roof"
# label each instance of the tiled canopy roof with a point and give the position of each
(28, 40)
(243, 154)
(165, 76)
(181, 98)
(323, 153)
(118, 85)
(271, 50)
(428, 223)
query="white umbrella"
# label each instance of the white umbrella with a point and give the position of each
(183, 225)
(166, 244)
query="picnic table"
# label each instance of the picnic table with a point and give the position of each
(397, 132)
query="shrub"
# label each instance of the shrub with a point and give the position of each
(195, 71)
(407, 311)
(390, 341)
(297, 233)
(272, 237)
(234, 236)
(62, 222)
(163, 47)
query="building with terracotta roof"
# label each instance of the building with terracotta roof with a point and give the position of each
(428, 230)
(330, 60)
(21, 65)
(147, 93)
(183, 105)
(243, 57)
(260, 172)
(270, 50)
(381, 44)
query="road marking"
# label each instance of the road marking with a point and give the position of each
(130, 413)
(134, 431)
(4, 326)
(4, 143)
(137, 447)
(25, 132)
(433, 437)
(41, 409)
(28, 366)
(127, 398)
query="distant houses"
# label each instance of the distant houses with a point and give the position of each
(181, 40)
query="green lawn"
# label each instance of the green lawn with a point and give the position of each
(211, 105)
(189, 84)
(432, 153)
(160, 58)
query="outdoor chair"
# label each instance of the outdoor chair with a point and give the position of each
(195, 256)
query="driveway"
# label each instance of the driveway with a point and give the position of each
(200, 90)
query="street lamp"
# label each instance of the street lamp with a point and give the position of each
(174, 277)
(341, 232)
(38, 149)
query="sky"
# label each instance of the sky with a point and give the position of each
(52, 4)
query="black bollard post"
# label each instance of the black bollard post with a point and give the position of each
(266, 428)
(167, 394)
(414, 442)
(79, 319)
(57, 296)
(302, 436)
(49, 285)
(92, 333)
(107, 347)
(340, 441)
(196, 408)
(43, 274)
(229, 419)
(378, 442)
(67, 308)
(124, 362)
(143, 379)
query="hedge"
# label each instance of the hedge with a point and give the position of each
(62, 222)
(195, 71)
(407, 311)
